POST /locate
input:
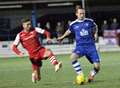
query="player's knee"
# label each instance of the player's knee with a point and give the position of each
(48, 53)
(73, 58)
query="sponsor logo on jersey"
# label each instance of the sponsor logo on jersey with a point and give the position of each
(87, 24)
(83, 32)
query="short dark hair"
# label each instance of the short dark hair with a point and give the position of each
(25, 20)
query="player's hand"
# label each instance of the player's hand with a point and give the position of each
(21, 55)
(59, 39)
(49, 41)
(95, 37)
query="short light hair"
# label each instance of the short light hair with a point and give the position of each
(78, 7)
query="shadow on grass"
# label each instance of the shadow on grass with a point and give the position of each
(63, 83)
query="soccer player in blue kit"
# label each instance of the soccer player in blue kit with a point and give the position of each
(85, 31)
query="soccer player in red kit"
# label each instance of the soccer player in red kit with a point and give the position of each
(28, 37)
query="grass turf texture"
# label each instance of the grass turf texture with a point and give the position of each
(16, 73)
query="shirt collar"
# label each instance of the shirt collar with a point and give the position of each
(78, 20)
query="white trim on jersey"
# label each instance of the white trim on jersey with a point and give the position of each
(77, 20)
(39, 30)
(91, 20)
(17, 40)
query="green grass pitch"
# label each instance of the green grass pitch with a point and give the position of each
(16, 73)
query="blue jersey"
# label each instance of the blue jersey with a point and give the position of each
(83, 30)
(84, 35)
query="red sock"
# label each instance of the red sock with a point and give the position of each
(53, 59)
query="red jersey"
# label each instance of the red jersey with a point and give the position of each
(29, 41)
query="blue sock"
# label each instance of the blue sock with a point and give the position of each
(76, 66)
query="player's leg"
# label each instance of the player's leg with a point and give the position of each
(48, 53)
(76, 65)
(93, 57)
(35, 73)
(94, 71)
(36, 64)
(78, 52)
(38, 75)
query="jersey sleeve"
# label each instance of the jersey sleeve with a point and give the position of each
(17, 40)
(70, 28)
(15, 44)
(39, 30)
(93, 26)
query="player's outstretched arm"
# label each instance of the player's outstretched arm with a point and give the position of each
(45, 32)
(64, 35)
(16, 50)
(14, 46)
(48, 37)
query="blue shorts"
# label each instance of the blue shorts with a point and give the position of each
(89, 51)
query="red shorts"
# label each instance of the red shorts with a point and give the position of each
(37, 57)
(36, 63)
